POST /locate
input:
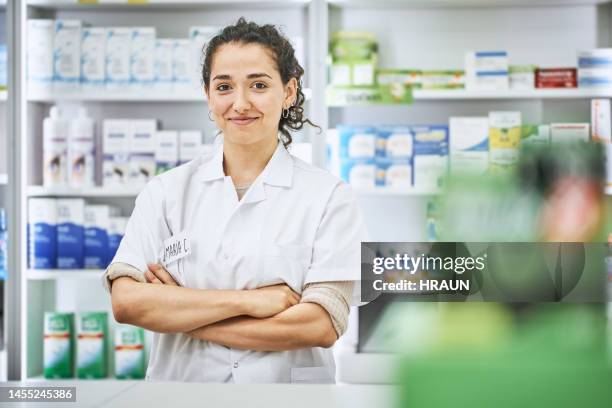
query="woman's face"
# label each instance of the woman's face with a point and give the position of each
(246, 94)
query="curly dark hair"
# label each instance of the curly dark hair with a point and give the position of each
(269, 37)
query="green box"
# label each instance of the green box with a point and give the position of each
(58, 345)
(354, 58)
(129, 352)
(443, 79)
(406, 77)
(92, 335)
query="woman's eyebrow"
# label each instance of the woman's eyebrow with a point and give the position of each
(223, 77)
(258, 75)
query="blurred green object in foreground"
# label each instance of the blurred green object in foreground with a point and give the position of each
(557, 358)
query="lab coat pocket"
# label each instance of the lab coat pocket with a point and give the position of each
(311, 375)
(287, 263)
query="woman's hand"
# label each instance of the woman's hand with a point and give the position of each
(159, 275)
(270, 300)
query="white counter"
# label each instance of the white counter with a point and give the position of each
(133, 394)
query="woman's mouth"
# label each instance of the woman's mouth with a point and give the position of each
(243, 121)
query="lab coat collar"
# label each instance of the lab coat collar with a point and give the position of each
(278, 171)
(213, 168)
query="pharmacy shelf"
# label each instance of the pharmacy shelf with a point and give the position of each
(91, 192)
(158, 4)
(3, 179)
(3, 93)
(462, 3)
(56, 274)
(467, 95)
(385, 191)
(462, 94)
(106, 95)
(66, 381)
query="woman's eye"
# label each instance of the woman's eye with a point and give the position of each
(260, 85)
(223, 87)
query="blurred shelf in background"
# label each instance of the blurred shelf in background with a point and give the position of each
(91, 192)
(385, 191)
(159, 4)
(462, 3)
(106, 95)
(56, 274)
(461, 94)
(3, 179)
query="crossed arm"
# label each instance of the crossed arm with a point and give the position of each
(266, 319)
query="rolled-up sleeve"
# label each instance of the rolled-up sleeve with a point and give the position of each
(143, 236)
(337, 247)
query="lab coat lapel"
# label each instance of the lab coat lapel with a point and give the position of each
(278, 173)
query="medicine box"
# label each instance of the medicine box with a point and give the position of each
(569, 132)
(600, 120)
(92, 338)
(70, 233)
(118, 52)
(430, 163)
(97, 223)
(504, 140)
(163, 63)
(182, 65)
(129, 352)
(58, 345)
(116, 149)
(42, 233)
(394, 173)
(356, 142)
(93, 57)
(116, 230)
(67, 54)
(40, 54)
(360, 173)
(199, 38)
(469, 144)
(486, 70)
(166, 150)
(394, 142)
(190, 145)
(354, 57)
(142, 151)
(142, 57)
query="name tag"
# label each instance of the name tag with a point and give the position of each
(176, 247)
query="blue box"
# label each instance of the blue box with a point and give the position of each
(356, 142)
(42, 233)
(394, 142)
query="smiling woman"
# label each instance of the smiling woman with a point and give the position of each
(265, 248)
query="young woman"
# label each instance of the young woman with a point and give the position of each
(243, 262)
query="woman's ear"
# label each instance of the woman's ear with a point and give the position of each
(290, 93)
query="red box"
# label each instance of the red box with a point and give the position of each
(556, 78)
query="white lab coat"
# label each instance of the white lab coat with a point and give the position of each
(296, 224)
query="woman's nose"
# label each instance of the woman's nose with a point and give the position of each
(241, 104)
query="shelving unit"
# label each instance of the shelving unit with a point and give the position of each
(114, 96)
(3, 179)
(57, 274)
(535, 94)
(420, 34)
(159, 4)
(394, 192)
(91, 192)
